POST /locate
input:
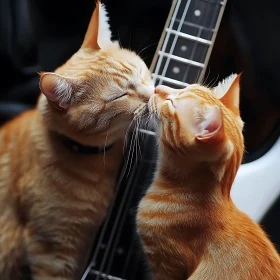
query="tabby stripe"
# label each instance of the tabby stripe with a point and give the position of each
(118, 82)
(120, 76)
(51, 264)
(129, 71)
(131, 64)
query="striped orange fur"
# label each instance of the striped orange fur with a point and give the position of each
(187, 222)
(52, 200)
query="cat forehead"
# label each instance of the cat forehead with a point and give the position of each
(198, 92)
(123, 55)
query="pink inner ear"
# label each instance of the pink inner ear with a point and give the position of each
(48, 83)
(211, 125)
(49, 86)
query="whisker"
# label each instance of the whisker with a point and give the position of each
(129, 42)
(131, 152)
(212, 84)
(151, 45)
(126, 135)
(120, 38)
(129, 157)
(104, 150)
(144, 41)
(138, 133)
(203, 83)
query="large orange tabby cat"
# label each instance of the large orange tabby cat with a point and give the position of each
(58, 162)
(187, 222)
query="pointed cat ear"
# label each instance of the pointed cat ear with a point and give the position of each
(59, 90)
(98, 33)
(228, 92)
(209, 127)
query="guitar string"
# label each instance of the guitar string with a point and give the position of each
(116, 221)
(201, 22)
(221, 4)
(175, 40)
(212, 22)
(128, 258)
(214, 19)
(160, 58)
(103, 230)
(125, 213)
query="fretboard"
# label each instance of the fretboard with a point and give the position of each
(186, 42)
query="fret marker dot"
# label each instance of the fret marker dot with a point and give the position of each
(176, 70)
(184, 48)
(120, 251)
(197, 13)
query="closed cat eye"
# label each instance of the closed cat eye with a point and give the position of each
(120, 96)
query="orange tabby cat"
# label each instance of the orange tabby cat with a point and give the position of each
(58, 162)
(188, 224)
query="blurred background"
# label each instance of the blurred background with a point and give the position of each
(41, 35)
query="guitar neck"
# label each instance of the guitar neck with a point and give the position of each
(186, 42)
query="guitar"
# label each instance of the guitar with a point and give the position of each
(181, 59)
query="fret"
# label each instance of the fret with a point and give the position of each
(149, 132)
(169, 80)
(190, 37)
(201, 13)
(178, 71)
(194, 30)
(165, 36)
(188, 49)
(104, 276)
(181, 59)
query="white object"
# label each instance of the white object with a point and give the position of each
(257, 184)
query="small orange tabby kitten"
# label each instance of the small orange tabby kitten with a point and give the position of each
(187, 222)
(58, 162)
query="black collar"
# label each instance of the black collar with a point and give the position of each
(79, 148)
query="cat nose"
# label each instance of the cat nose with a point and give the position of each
(145, 92)
(165, 91)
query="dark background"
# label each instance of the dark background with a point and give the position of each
(41, 35)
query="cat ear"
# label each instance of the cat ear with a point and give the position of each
(209, 125)
(59, 90)
(205, 122)
(98, 33)
(228, 92)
